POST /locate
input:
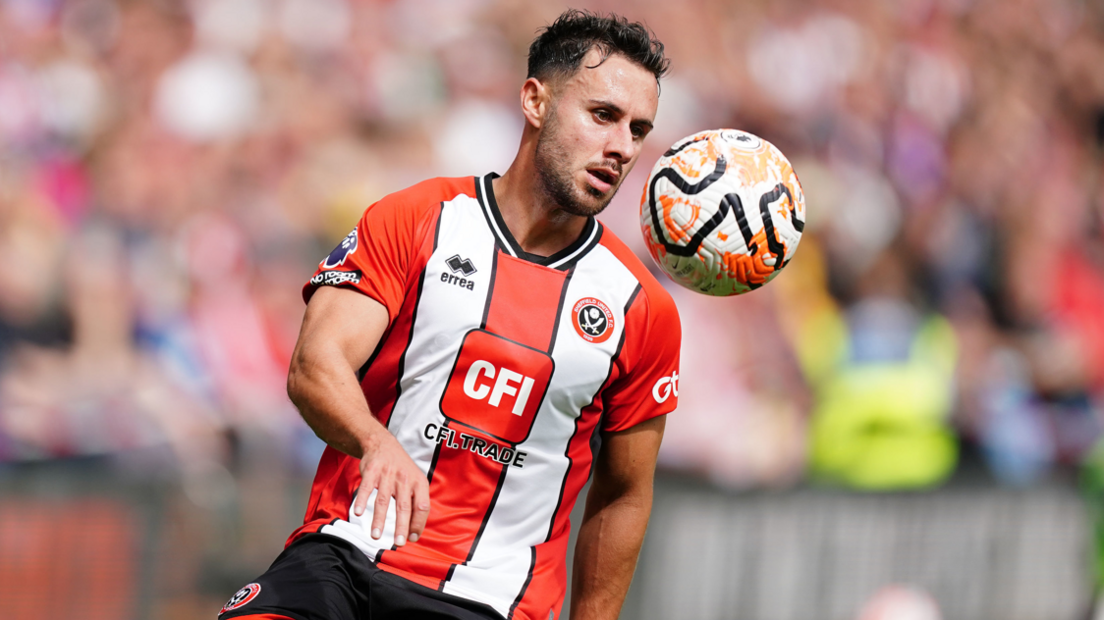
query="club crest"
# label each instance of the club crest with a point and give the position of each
(241, 598)
(593, 320)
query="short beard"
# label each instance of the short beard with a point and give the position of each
(556, 179)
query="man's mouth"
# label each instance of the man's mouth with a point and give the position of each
(603, 179)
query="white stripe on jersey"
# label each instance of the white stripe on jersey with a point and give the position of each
(522, 518)
(445, 313)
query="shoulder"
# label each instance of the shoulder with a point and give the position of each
(658, 302)
(426, 196)
(435, 190)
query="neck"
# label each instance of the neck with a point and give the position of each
(539, 225)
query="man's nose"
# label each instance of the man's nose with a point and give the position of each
(620, 145)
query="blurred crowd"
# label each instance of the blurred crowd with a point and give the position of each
(171, 171)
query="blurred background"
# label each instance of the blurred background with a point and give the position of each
(902, 426)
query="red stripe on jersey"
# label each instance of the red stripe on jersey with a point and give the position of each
(546, 587)
(380, 383)
(525, 302)
(338, 475)
(335, 483)
(650, 352)
(523, 306)
(263, 617)
(462, 491)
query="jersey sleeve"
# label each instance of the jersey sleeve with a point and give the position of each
(375, 258)
(647, 382)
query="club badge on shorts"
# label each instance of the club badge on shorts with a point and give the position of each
(241, 598)
(593, 320)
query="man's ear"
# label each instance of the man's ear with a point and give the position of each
(536, 101)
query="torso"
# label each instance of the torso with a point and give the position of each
(492, 376)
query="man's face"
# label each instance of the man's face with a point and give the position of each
(594, 130)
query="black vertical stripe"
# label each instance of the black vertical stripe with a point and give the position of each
(490, 289)
(624, 335)
(379, 345)
(490, 509)
(482, 526)
(436, 455)
(448, 577)
(413, 322)
(559, 309)
(371, 358)
(524, 586)
(484, 206)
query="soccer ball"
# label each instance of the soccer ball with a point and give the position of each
(722, 212)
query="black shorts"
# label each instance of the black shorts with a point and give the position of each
(322, 577)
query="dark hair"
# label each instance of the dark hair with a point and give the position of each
(560, 47)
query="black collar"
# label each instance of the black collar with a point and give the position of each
(562, 260)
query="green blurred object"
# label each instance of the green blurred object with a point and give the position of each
(1092, 489)
(883, 426)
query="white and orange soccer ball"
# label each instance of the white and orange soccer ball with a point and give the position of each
(722, 212)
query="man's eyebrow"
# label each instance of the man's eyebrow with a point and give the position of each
(616, 109)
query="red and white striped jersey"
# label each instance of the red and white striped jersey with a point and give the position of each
(496, 370)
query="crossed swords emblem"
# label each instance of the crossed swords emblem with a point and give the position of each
(592, 320)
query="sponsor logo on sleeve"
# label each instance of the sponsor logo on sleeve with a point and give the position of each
(347, 246)
(665, 388)
(241, 598)
(593, 320)
(334, 278)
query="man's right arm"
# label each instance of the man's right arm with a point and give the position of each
(341, 329)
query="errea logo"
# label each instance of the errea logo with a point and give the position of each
(665, 387)
(461, 266)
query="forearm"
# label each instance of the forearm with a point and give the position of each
(325, 390)
(606, 553)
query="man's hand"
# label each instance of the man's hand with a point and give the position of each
(388, 470)
(340, 331)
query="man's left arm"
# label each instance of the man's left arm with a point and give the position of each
(615, 519)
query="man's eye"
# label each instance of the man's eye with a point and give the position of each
(602, 115)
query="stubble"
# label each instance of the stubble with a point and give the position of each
(553, 164)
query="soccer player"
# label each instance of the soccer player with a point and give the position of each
(472, 352)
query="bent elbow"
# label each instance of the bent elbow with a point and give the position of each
(297, 381)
